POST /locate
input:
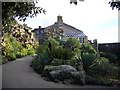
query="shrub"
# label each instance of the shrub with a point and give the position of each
(37, 66)
(73, 62)
(72, 43)
(57, 52)
(51, 49)
(52, 53)
(88, 48)
(14, 48)
(43, 55)
(103, 69)
(56, 62)
(88, 60)
(11, 47)
(111, 57)
(30, 49)
(23, 52)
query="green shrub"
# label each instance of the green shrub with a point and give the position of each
(11, 47)
(103, 69)
(52, 41)
(88, 48)
(30, 49)
(73, 62)
(57, 52)
(56, 62)
(88, 60)
(23, 52)
(37, 66)
(72, 43)
(43, 54)
(111, 57)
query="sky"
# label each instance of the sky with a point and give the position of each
(94, 17)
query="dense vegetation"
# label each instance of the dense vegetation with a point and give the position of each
(18, 43)
(71, 52)
(17, 40)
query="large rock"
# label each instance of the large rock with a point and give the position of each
(63, 73)
(69, 75)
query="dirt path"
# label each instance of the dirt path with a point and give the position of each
(19, 74)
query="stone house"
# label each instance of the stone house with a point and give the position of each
(67, 31)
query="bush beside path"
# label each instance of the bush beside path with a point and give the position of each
(19, 74)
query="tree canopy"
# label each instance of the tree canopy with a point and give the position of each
(113, 4)
(20, 10)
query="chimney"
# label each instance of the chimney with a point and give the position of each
(59, 19)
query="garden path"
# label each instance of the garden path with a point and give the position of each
(19, 74)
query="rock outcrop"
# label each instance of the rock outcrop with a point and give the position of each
(64, 73)
(69, 75)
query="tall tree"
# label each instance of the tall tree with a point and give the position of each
(21, 10)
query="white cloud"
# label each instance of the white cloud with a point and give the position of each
(85, 16)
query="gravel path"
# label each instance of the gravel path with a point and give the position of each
(19, 74)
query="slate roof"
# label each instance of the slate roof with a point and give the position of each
(69, 31)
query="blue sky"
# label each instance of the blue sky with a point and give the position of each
(94, 17)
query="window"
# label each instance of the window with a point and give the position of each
(80, 40)
(83, 40)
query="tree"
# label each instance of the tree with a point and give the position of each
(20, 10)
(113, 4)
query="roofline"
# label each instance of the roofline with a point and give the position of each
(73, 27)
(64, 24)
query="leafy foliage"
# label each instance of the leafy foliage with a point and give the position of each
(88, 48)
(11, 47)
(72, 43)
(21, 10)
(111, 57)
(102, 69)
(113, 4)
(88, 60)
(37, 65)
(98, 65)
(18, 43)
(57, 62)
(55, 33)
(62, 53)
(43, 55)
(52, 53)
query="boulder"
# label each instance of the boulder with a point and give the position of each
(64, 73)
(67, 74)
(79, 77)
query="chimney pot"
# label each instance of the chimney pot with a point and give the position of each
(59, 19)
